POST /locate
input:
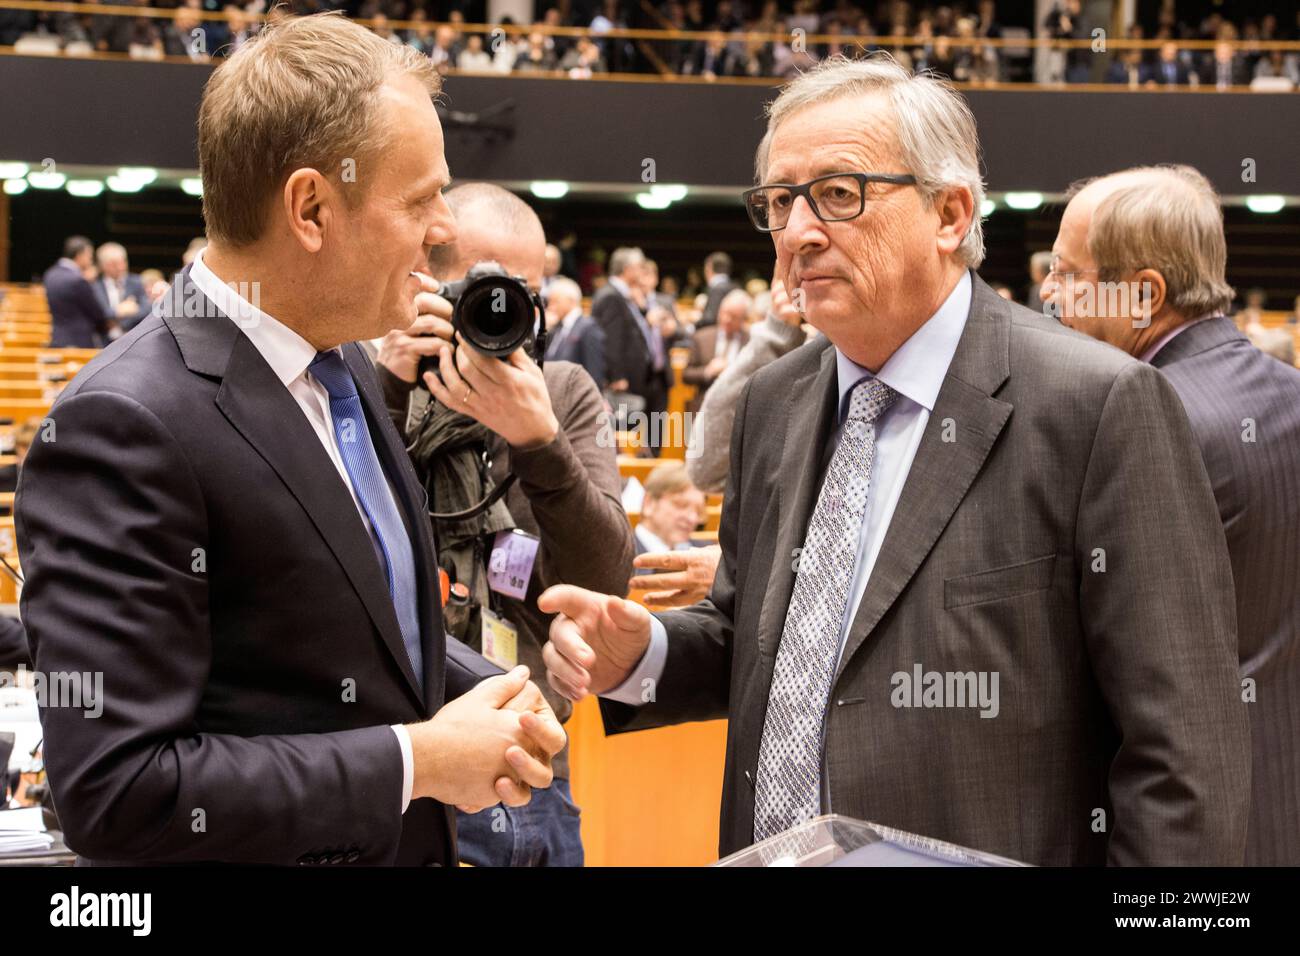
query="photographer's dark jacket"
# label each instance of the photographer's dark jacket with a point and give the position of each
(568, 494)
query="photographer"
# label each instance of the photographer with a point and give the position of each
(540, 425)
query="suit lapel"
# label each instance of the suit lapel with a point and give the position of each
(808, 424)
(260, 408)
(943, 471)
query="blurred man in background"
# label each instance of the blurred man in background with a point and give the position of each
(718, 282)
(77, 320)
(671, 510)
(575, 337)
(716, 346)
(121, 293)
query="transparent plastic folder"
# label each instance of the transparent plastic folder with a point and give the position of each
(833, 840)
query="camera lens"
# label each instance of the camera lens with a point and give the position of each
(495, 315)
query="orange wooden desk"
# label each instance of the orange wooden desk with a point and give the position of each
(648, 798)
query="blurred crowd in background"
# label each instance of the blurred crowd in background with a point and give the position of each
(968, 41)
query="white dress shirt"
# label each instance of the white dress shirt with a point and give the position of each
(652, 543)
(916, 372)
(288, 354)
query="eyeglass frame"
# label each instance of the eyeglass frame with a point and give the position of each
(805, 190)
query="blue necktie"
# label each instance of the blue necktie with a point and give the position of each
(376, 500)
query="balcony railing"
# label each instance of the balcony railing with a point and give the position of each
(187, 35)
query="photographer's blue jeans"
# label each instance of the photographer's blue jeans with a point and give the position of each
(543, 832)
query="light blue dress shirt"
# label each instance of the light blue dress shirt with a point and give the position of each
(916, 372)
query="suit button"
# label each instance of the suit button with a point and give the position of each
(337, 858)
(354, 856)
(306, 859)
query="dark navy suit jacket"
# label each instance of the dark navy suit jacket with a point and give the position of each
(188, 537)
(77, 319)
(133, 289)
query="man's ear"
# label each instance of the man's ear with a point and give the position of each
(308, 200)
(956, 208)
(1148, 296)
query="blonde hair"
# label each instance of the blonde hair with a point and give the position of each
(302, 93)
(1165, 218)
(936, 129)
(668, 479)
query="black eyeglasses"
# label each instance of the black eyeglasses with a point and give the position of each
(832, 198)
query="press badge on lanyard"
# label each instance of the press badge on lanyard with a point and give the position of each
(500, 640)
(510, 567)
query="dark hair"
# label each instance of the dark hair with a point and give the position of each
(74, 246)
(719, 262)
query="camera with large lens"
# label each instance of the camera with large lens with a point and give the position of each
(494, 313)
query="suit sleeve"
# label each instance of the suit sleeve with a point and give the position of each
(1160, 627)
(593, 355)
(605, 311)
(137, 290)
(98, 312)
(573, 488)
(109, 514)
(696, 679)
(694, 373)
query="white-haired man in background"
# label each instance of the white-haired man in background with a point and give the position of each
(973, 583)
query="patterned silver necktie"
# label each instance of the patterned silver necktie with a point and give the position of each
(788, 791)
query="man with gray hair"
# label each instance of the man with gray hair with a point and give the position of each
(716, 346)
(574, 337)
(944, 484)
(1139, 263)
(119, 291)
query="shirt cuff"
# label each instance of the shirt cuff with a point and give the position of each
(408, 763)
(645, 677)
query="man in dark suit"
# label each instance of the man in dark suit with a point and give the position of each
(973, 583)
(636, 359)
(1169, 68)
(1225, 68)
(717, 277)
(76, 318)
(716, 347)
(574, 337)
(1156, 236)
(120, 292)
(228, 528)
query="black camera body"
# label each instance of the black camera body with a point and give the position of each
(495, 313)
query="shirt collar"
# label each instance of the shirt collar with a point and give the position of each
(570, 320)
(287, 352)
(1169, 336)
(917, 370)
(651, 540)
(717, 279)
(623, 289)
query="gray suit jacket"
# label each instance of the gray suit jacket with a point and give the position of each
(1226, 383)
(1121, 736)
